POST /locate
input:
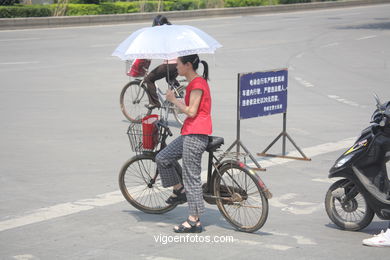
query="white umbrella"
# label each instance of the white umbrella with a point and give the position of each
(166, 42)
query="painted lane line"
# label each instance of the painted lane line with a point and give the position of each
(366, 37)
(311, 152)
(304, 82)
(110, 198)
(303, 211)
(327, 180)
(24, 257)
(304, 241)
(345, 101)
(61, 210)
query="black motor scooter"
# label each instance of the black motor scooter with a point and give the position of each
(364, 189)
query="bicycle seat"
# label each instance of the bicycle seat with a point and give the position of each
(214, 143)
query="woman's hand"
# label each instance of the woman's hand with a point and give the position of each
(170, 96)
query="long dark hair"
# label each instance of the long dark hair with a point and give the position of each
(160, 20)
(194, 60)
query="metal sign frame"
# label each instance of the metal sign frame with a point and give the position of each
(239, 144)
(285, 136)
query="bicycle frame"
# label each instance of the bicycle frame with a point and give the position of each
(214, 162)
(165, 104)
(139, 92)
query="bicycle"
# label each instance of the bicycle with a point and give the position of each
(134, 97)
(239, 193)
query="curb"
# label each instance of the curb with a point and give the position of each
(65, 21)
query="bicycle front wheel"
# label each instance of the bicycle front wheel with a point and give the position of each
(141, 185)
(133, 99)
(240, 199)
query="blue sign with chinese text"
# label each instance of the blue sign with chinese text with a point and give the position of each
(263, 93)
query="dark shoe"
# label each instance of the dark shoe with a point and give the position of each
(152, 106)
(179, 199)
(194, 227)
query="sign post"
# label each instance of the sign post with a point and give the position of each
(238, 143)
(263, 94)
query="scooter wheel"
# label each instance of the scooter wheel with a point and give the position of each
(353, 214)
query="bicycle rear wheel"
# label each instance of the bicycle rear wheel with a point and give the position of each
(141, 185)
(133, 99)
(240, 199)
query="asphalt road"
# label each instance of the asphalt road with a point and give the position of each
(63, 136)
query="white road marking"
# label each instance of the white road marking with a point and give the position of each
(160, 224)
(366, 37)
(310, 152)
(278, 247)
(24, 257)
(277, 201)
(304, 241)
(295, 207)
(114, 197)
(304, 82)
(61, 210)
(345, 101)
(301, 203)
(327, 180)
(303, 211)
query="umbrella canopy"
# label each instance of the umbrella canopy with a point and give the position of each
(166, 42)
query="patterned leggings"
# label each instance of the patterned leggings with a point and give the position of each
(189, 148)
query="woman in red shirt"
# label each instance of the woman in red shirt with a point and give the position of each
(190, 145)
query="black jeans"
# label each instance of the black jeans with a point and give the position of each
(158, 73)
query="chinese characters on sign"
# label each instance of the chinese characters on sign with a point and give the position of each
(263, 93)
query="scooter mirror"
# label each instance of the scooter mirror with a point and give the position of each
(387, 111)
(378, 102)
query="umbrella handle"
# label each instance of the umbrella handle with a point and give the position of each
(169, 81)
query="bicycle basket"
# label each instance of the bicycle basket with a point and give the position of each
(145, 136)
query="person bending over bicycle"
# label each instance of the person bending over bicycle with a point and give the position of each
(190, 145)
(160, 71)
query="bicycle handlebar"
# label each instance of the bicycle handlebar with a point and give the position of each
(164, 125)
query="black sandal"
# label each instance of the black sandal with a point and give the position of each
(194, 228)
(179, 199)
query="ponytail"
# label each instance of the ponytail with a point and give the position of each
(194, 60)
(205, 70)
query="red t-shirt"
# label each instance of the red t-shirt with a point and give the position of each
(201, 122)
